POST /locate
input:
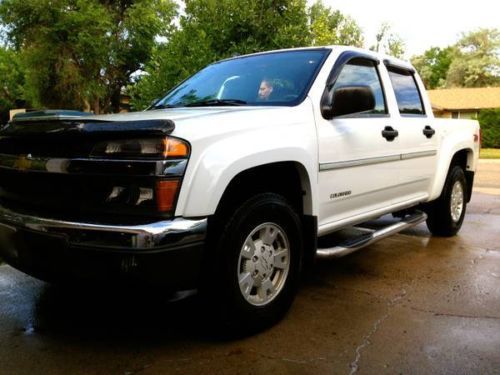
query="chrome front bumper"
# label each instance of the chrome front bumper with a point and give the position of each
(175, 232)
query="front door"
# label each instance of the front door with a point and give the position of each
(359, 159)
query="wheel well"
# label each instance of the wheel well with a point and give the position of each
(284, 178)
(289, 179)
(463, 158)
(460, 158)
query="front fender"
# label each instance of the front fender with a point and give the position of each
(211, 171)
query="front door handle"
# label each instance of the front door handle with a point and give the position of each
(389, 133)
(428, 131)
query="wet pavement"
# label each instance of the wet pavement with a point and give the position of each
(408, 304)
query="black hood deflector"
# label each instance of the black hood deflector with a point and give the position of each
(55, 127)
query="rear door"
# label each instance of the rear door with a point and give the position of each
(417, 135)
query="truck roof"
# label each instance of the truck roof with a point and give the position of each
(334, 48)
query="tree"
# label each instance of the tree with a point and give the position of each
(135, 26)
(80, 53)
(476, 62)
(170, 64)
(388, 42)
(490, 127)
(244, 26)
(433, 66)
(330, 26)
(214, 29)
(11, 79)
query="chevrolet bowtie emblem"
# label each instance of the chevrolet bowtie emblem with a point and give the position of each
(23, 162)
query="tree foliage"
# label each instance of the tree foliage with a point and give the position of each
(214, 29)
(78, 53)
(329, 26)
(11, 79)
(243, 26)
(83, 53)
(477, 60)
(433, 66)
(490, 128)
(388, 42)
(51, 39)
(474, 61)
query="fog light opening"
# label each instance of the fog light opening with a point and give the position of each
(166, 192)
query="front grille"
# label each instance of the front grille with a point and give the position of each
(46, 170)
(83, 190)
(78, 197)
(43, 146)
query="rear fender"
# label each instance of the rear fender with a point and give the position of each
(449, 148)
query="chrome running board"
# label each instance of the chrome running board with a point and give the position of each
(354, 244)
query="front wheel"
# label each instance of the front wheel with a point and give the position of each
(257, 263)
(264, 264)
(446, 214)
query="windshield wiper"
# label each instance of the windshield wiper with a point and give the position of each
(162, 106)
(216, 102)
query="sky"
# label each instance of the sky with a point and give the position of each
(421, 24)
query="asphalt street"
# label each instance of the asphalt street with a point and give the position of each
(411, 303)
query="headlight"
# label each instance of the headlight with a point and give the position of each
(150, 148)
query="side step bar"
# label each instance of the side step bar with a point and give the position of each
(359, 242)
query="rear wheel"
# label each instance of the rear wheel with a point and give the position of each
(257, 263)
(446, 214)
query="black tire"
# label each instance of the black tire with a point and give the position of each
(441, 221)
(236, 314)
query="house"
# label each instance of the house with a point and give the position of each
(463, 103)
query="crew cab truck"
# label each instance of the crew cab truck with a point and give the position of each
(232, 182)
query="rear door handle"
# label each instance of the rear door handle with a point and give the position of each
(428, 131)
(389, 133)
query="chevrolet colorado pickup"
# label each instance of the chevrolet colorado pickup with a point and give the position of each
(236, 179)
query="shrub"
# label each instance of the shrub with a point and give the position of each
(490, 128)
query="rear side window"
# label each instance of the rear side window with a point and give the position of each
(407, 94)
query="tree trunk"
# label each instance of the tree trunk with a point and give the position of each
(97, 107)
(116, 98)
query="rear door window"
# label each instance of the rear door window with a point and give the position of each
(407, 93)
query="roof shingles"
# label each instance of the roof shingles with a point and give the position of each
(463, 99)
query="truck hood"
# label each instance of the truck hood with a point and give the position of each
(198, 123)
(187, 123)
(173, 114)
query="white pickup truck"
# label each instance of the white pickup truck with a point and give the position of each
(236, 179)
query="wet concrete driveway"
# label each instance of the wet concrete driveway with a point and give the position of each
(409, 304)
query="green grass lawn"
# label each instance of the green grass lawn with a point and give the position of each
(490, 153)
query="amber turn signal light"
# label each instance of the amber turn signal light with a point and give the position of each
(166, 192)
(174, 148)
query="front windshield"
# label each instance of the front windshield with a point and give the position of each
(280, 78)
